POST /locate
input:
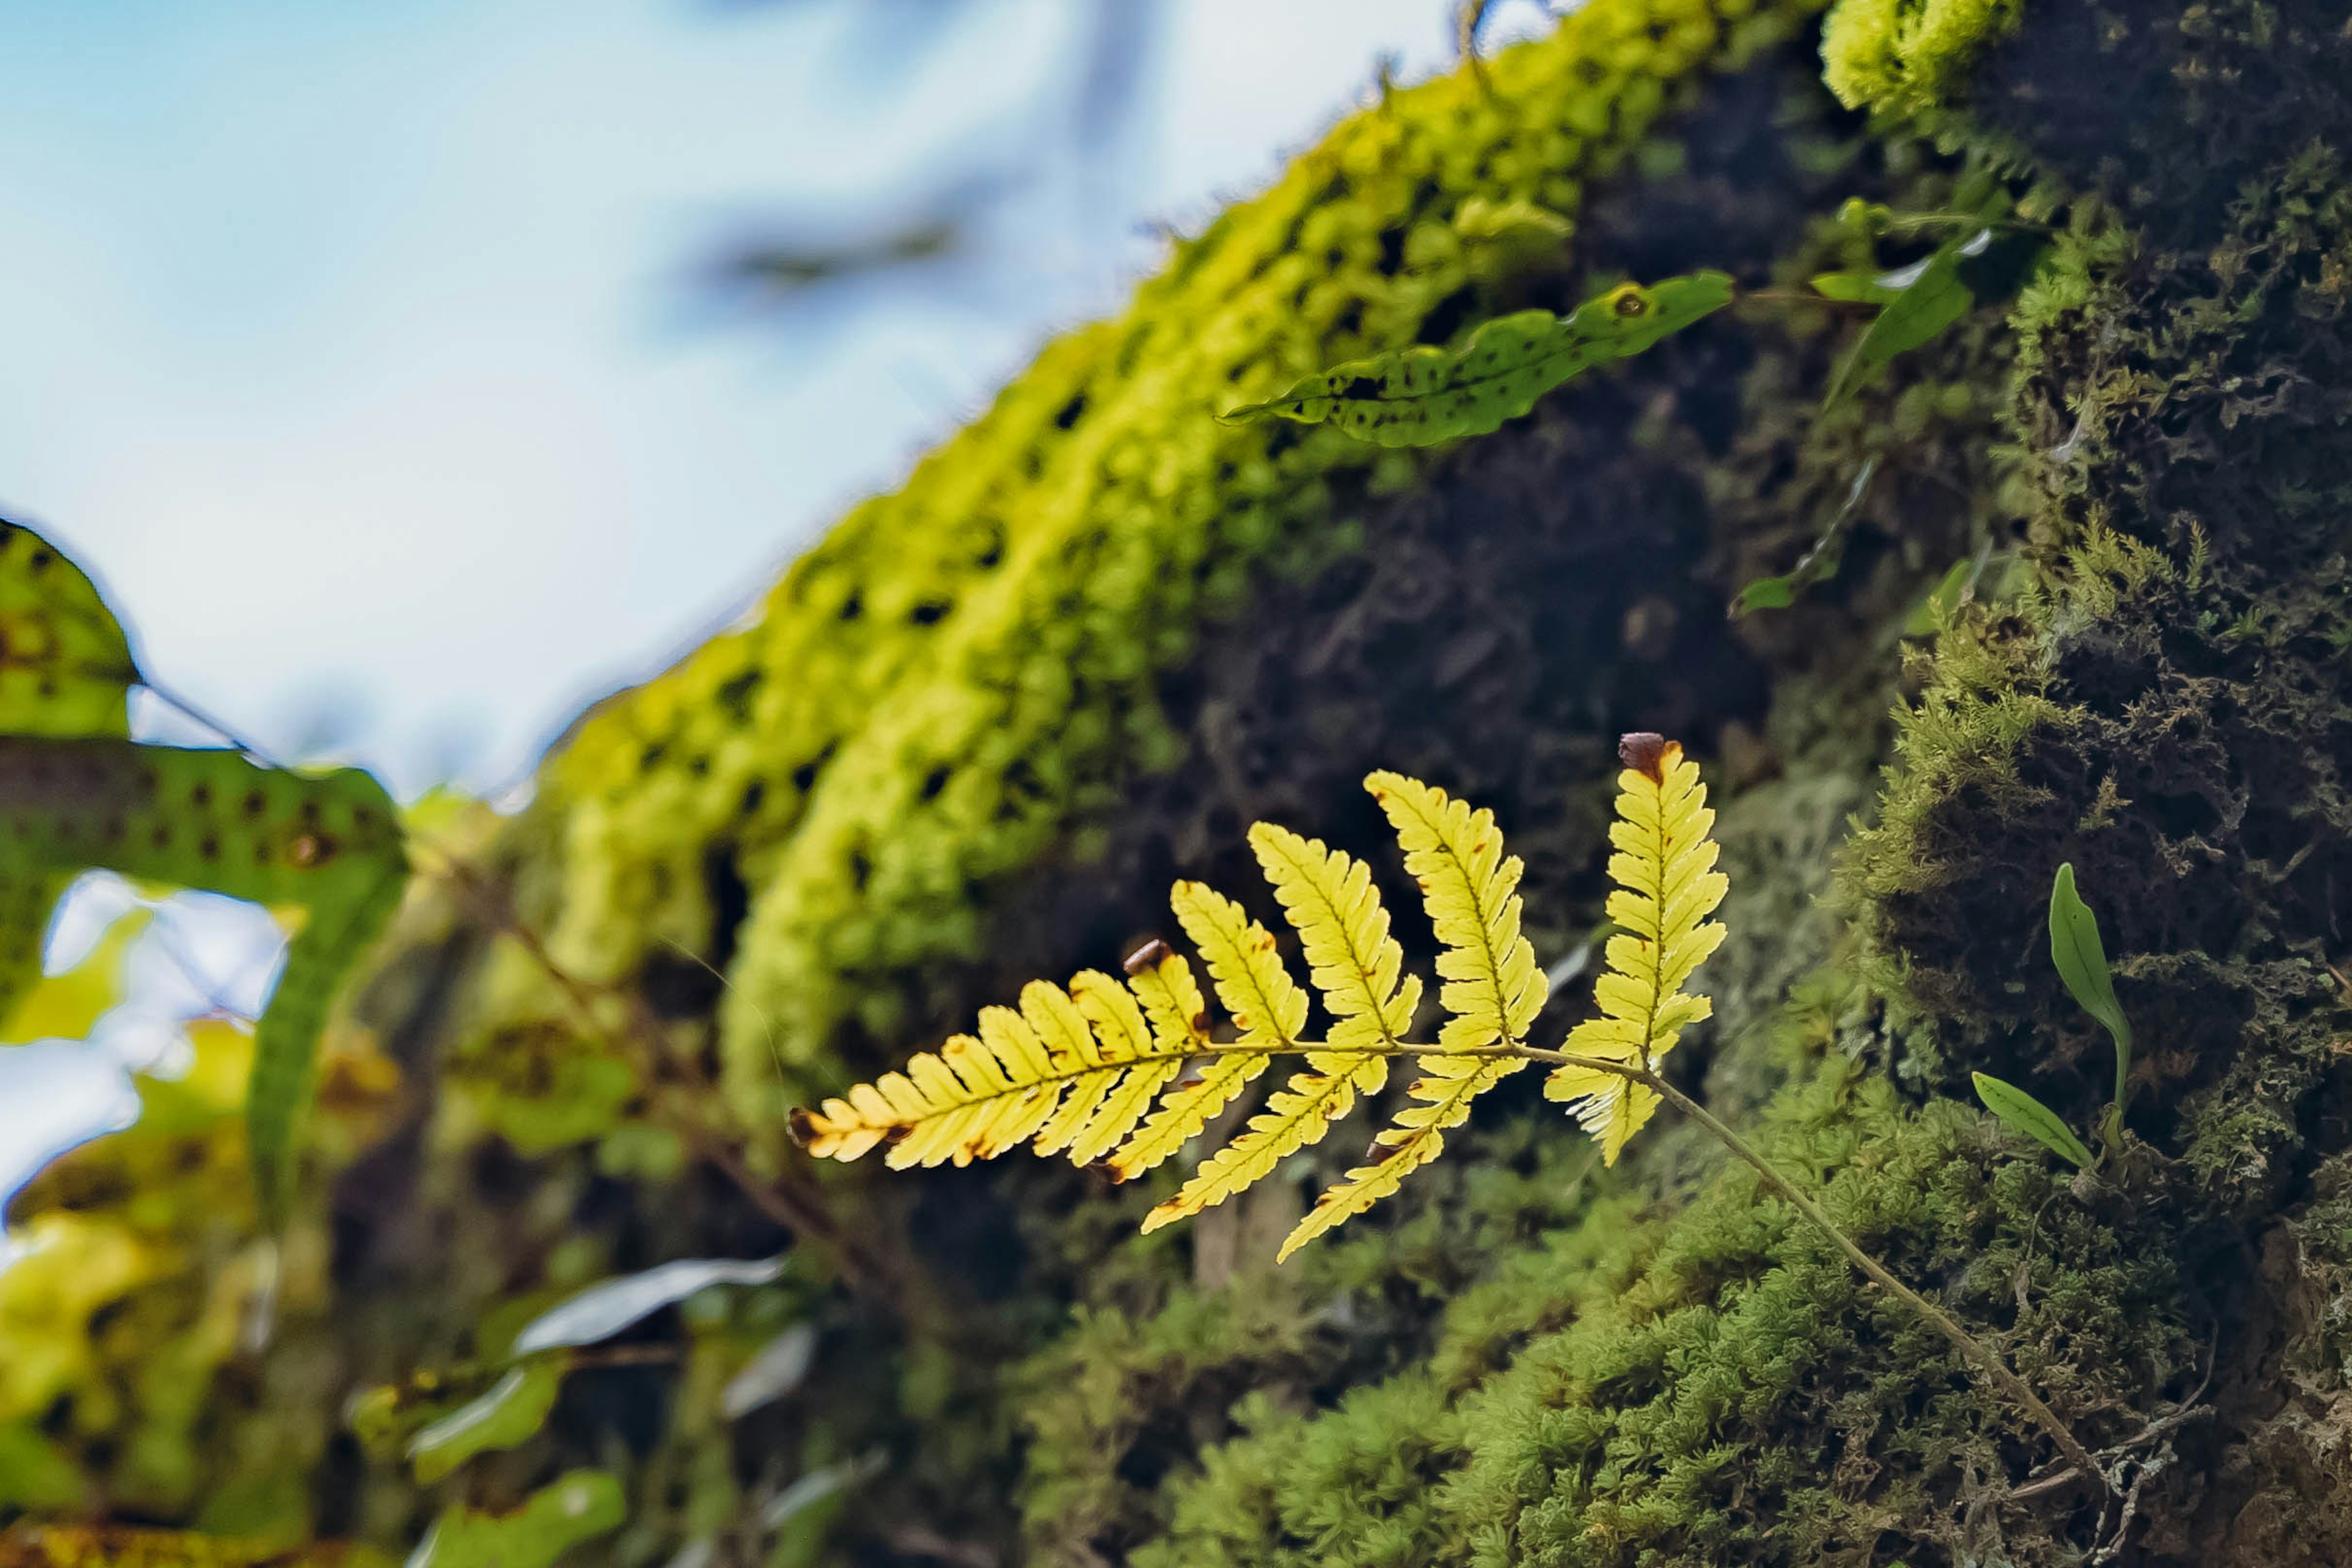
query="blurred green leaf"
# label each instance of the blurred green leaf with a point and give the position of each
(511, 1414)
(2020, 1112)
(602, 1310)
(1853, 288)
(1942, 601)
(68, 1006)
(775, 1371)
(1927, 299)
(576, 1507)
(1765, 593)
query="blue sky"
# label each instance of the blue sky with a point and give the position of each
(353, 344)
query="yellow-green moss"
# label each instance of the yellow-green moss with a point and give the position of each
(1907, 56)
(965, 669)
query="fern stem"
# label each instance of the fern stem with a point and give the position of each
(1975, 1350)
(1987, 1361)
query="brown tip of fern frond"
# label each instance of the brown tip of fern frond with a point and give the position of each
(1641, 752)
(800, 1125)
(1146, 957)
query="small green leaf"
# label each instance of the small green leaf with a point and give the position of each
(1421, 396)
(65, 667)
(1821, 560)
(576, 1507)
(510, 1415)
(2020, 1112)
(1927, 298)
(1853, 288)
(1765, 593)
(2082, 961)
(1943, 601)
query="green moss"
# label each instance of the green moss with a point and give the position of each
(1907, 57)
(1718, 1386)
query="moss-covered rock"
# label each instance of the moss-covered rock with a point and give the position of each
(970, 737)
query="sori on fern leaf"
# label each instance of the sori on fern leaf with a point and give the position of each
(1099, 1070)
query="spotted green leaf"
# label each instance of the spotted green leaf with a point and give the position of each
(328, 844)
(1421, 396)
(577, 1506)
(2082, 961)
(65, 664)
(2020, 1112)
(511, 1413)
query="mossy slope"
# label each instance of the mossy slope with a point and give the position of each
(975, 732)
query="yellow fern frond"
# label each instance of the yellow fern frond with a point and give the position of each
(1297, 1115)
(1099, 1070)
(1666, 887)
(1114, 1102)
(1418, 1136)
(1492, 985)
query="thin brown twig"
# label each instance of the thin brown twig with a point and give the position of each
(795, 1204)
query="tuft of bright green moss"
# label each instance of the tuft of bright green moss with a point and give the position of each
(1907, 57)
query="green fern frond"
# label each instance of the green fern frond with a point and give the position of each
(1666, 887)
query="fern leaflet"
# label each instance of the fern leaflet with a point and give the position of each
(1356, 966)
(1666, 887)
(1107, 1049)
(1491, 988)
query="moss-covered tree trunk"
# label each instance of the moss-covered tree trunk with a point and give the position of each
(983, 725)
